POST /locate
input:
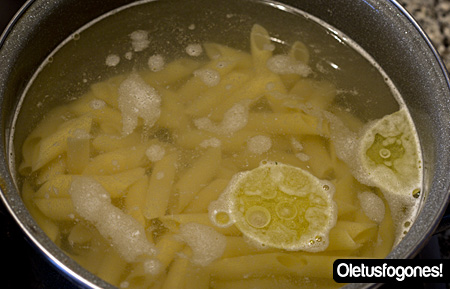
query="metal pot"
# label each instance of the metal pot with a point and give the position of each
(383, 28)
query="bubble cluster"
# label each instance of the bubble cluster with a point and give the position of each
(138, 99)
(93, 203)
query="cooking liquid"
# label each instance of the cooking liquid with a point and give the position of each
(146, 41)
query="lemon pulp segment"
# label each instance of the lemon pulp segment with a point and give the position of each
(390, 155)
(279, 206)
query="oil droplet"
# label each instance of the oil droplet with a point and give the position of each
(257, 217)
(385, 153)
(222, 218)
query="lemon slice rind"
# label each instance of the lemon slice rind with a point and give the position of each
(278, 206)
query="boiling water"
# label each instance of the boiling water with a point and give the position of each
(105, 73)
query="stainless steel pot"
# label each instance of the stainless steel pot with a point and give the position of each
(383, 28)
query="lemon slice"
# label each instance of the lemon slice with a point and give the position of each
(390, 155)
(279, 206)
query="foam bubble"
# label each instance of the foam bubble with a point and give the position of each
(372, 206)
(155, 153)
(233, 120)
(259, 144)
(283, 64)
(303, 157)
(93, 203)
(139, 40)
(156, 62)
(194, 49)
(210, 77)
(112, 60)
(97, 104)
(138, 99)
(206, 243)
(212, 142)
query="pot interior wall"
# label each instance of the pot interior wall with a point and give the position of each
(393, 41)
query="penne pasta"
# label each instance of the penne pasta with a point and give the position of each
(160, 186)
(202, 171)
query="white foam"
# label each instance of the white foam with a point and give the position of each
(112, 60)
(259, 144)
(138, 99)
(210, 77)
(194, 49)
(93, 203)
(283, 64)
(233, 120)
(81, 134)
(129, 55)
(303, 157)
(296, 144)
(139, 40)
(212, 142)
(97, 104)
(206, 243)
(372, 206)
(155, 153)
(156, 62)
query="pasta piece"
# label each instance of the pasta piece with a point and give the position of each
(56, 187)
(110, 142)
(80, 235)
(196, 278)
(45, 128)
(133, 201)
(117, 161)
(208, 194)
(208, 75)
(274, 264)
(111, 267)
(194, 139)
(317, 93)
(287, 123)
(47, 225)
(108, 119)
(176, 277)
(209, 99)
(260, 46)
(239, 246)
(78, 152)
(257, 87)
(243, 59)
(386, 236)
(168, 247)
(160, 186)
(173, 223)
(173, 112)
(117, 184)
(108, 90)
(260, 283)
(199, 175)
(172, 72)
(56, 144)
(316, 148)
(56, 167)
(60, 209)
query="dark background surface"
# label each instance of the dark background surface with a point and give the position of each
(21, 262)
